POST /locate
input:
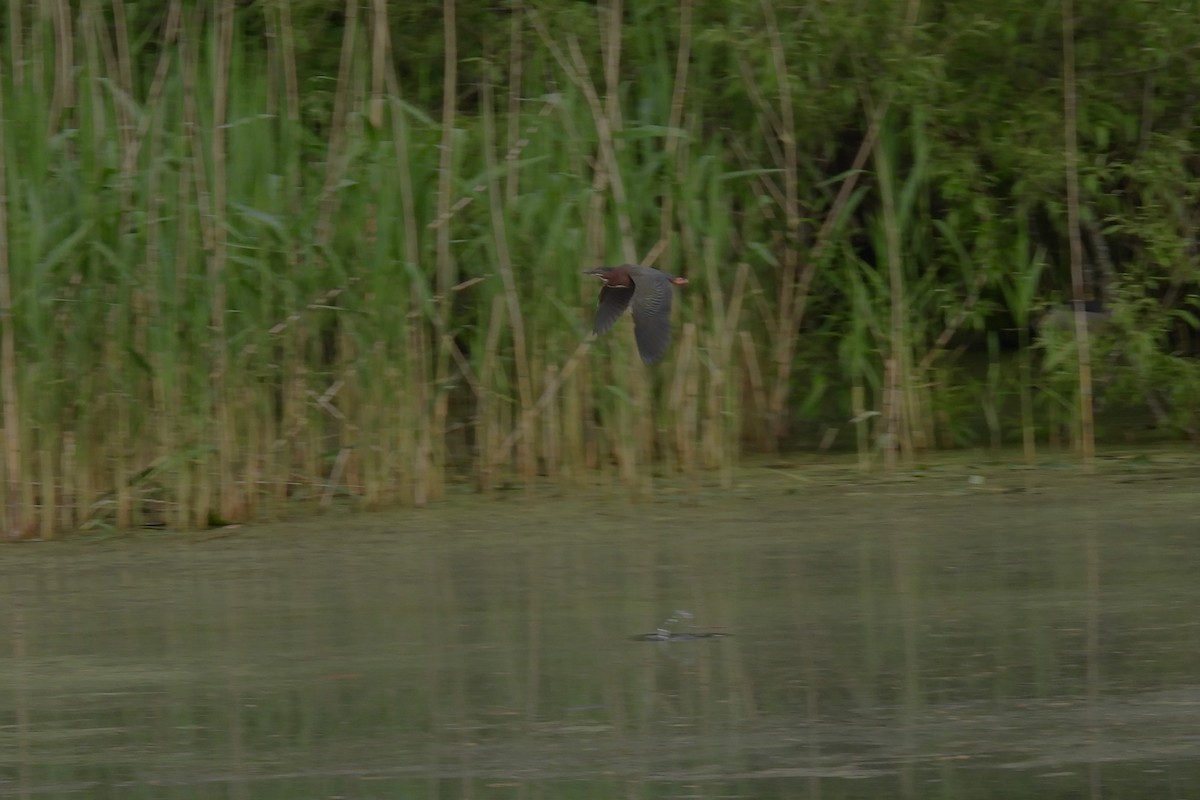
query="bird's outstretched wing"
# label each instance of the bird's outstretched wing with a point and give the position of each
(613, 302)
(652, 314)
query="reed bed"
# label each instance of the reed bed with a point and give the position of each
(255, 257)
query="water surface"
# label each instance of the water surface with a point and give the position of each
(967, 631)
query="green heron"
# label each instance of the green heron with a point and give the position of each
(649, 290)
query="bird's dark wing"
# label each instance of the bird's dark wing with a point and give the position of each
(652, 314)
(613, 302)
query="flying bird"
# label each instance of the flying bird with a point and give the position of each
(649, 291)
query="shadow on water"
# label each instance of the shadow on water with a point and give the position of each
(945, 635)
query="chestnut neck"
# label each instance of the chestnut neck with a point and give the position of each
(617, 276)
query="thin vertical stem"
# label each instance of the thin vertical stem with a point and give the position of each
(1071, 154)
(895, 371)
(13, 513)
(445, 261)
(799, 290)
(675, 120)
(200, 499)
(339, 126)
(610, 39)
(291, 81)
(788, 299)
(64, 46)
(16, 42)
(379, 51)
(227, 440)
(515, 68)
(504, 259)
(416, 358)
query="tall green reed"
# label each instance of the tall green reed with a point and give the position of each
(238, 286)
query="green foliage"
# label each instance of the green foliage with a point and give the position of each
(291, 298)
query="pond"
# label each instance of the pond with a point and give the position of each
(968, 630)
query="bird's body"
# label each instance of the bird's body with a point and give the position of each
(649, 291)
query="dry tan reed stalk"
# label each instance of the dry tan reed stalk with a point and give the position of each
(256, 416)
(37, 43)
(928, 427)
(66, 469)
(1071, 167)
(691, 399)
(611, 13)
(720, 364)
(898, 379)
(1028, 434)
(129, 134)
(64, 48)
(46, 485)
(16, 43)
(914, 413)
(335, 164)
(625, 449)
(757, 386)
(730, 413)
(576, 70)
(379, 52)
(404, 457)
(729, 328)
(445, 261)
(799, 291)
(773, 125)
(424, 484)
(335, 476)
(487, 432)
(681, 402)
(551, 427)
(789, 320)
(189, 58)
(641, 383)
(606, 119)
(85, 483)
(516, 64)
(287, 55)
(765, 181)
(202, 505)
(939, 344)
(710, 437)
(48, 491)
(122, 472)
(675, 118)
(174, 397)
(890, 409)
(861, 422)
(573, 429)
(430, 455)
(435, 431)
(526, 454)
(594, 235)
(790, 303)
(398, 453)
(510, 157)
(16, 516)
(227, 501)
(785, 334)
(548, 395)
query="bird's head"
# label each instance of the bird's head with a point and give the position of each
(611, 276)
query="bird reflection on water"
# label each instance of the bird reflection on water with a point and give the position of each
(665, 634)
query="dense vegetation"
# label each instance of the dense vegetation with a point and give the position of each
(269, 252)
